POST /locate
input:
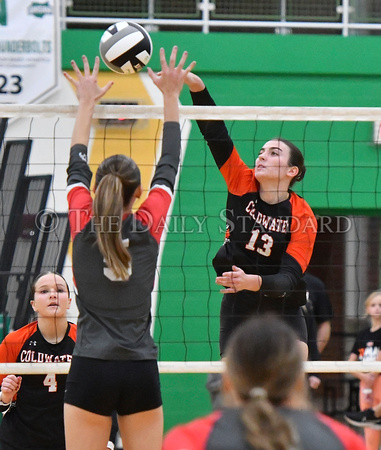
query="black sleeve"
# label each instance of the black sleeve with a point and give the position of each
(168, 164)
(214, 131)
(287, 280)
(321, 303)
(78, 170)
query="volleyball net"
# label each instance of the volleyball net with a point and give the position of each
(342, 184)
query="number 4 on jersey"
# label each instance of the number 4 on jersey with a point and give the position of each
(51, 382)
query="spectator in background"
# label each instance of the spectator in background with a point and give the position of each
(367, 348)
(314, 380)
(321, 309)
(318, 314)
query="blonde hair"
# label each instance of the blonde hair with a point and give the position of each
(264, 362)
(369, 299)
(116, 181)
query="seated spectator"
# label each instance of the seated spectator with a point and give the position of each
(367, 348)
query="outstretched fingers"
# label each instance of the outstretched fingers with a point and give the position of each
(70, 79)
(77, 72)
(171, 76)
(86, 69)
(183, 58)
(173, 57)
(106, 88)
(76, 68)
(86, 82)
(182, 61)
(181, 64)
(163, 61)
(86, 66)
(96, 67)
(189, 68)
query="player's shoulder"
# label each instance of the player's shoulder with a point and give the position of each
(300, 205)
(21, 334)
(297, 198)
(78, 190)
(349, 438)
(72, 330)
(193, 434)
(364, 332)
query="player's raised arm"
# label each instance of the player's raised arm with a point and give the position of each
(88, 93)
(170, 81)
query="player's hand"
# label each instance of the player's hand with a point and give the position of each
(194, 82)
(86, 83)
(170, 79)
(314, 381)
(9, 387)
(237, 280)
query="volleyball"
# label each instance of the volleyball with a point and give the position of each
(125, 47)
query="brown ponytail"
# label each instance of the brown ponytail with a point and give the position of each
(266, 429)
(264, 363)
(116, 181)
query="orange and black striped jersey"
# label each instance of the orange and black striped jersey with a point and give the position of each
(35, 419)
(274, 241)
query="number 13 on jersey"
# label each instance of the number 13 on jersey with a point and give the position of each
(263, 247)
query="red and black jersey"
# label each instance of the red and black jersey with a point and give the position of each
(35, 419)
(274, 241)
(225, 431)
(115, 316)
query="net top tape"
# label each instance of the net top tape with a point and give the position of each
(273, 113)
(197, 367)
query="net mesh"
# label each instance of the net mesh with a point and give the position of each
(342, 185)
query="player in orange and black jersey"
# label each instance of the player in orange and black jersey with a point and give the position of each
(270, 229)
(34, 403)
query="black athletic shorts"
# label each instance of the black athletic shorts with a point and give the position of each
(235, 309)
(102, 387)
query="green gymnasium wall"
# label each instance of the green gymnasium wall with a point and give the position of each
(342, 166)
(292, 70)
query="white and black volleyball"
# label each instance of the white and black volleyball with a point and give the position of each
(125, 47)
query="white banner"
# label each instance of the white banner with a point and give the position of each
(30, 50)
